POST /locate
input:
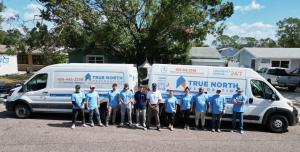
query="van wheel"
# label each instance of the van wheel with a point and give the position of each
(22, 110)
(278, 123)
(292, 88)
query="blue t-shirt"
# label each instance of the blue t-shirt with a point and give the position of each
(241, 107)
(92, 98)
(217, 103)
(78, 98)
(201, 101)
(170, 104)
(113, 98)
(126, 96)
(185, 103)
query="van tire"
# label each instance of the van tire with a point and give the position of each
(278, 123)
(22, 110)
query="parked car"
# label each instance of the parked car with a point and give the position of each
(292, 81)
(272, 74)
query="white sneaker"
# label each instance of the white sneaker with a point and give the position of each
(218, 130)
(84, 125)
(121, 125)
(187, 127)
(171, 128)
(241, 132)
(92, 125)
(213, 130)
(73, 126)
(137, 124)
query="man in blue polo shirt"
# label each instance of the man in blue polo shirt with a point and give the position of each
(93, 100)
(77, 99)
(126, 99)
(238, 101)
(200, 103)
(113, 104)
(217, 104)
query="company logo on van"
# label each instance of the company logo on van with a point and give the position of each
(88, 77)
(181, 81)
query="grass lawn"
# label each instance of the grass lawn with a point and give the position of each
(14, 79)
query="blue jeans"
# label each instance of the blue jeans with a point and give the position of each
(240, 116)
(216, 121)
(96, 112)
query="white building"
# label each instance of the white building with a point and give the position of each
(257, 58)
(206, 56)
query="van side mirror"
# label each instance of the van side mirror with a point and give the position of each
(273, 98)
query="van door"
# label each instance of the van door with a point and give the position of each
(36, 92)
(259, 99)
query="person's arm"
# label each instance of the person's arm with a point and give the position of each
(223, 111)
(159, 99)
(87, 103)
(83, 99)
(73, 99)
(242, 101)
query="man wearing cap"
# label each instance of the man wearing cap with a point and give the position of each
(113, 104)
(217, 105)
(93, 100)
(140, 98)
(200, 103)
(153, 98)
(77, 99)
(238, 101)
(126, 99)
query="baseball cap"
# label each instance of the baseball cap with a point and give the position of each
(92, 86)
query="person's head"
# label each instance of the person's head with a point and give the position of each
(201, 90)
(187, 90)
(126, 86)
(114, 86)
(171, 93)
(77, 88)
(92, 88)
(239, 90)
(154, 86)
(218, 91)
(141, 88)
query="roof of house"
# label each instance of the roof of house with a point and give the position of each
(289, 53)
(204, 53)
(228, 52)
(3, 50)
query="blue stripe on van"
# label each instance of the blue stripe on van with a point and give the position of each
(69, 95)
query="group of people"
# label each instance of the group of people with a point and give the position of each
(148, 104)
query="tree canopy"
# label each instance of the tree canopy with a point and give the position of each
(289, 32)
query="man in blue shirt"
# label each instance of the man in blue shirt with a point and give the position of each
(113, 105)
(238, 101)
(171, 107)
(77, 99)
(217, 105)
(93, 99)
(126, 99)
(200, 103)
(140, 98)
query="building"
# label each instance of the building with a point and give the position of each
(206, 56)
(257, 58)
(228, 53)
(32, 60)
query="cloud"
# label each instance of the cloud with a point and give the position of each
(257, 30)
(252, 6)
(8, 13)
(33, 11)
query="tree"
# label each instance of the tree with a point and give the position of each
(289, 32)
(267, 43)
(137, 29)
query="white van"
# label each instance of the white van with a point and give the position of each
(50, 89)
(265, 105)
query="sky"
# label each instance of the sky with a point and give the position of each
(255, 18)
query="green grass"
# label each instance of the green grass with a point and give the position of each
(14, 79)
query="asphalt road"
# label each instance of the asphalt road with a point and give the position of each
(51, 132)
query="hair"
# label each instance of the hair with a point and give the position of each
(114, 85)
(187, 88)
(77, 86)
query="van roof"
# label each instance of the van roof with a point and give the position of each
(195, 66)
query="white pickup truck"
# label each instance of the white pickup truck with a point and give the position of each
(272, 74)
(292, 81)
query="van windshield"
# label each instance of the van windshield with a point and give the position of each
(261, 90)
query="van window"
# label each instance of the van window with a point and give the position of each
(261, 90)
(37, 83)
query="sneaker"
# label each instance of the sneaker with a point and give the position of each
(241, 132)
(137, 124)
(187, 127)
(145, 129)
(106, 125)
(218, 130)
(73, 126)
(144, 125)
(100, 125)
(121, 125)
(158, 129)
(83, 125)
(92, 125)
(232, 131)
(171, 128)
(213, 130)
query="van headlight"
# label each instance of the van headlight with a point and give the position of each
(290, 103)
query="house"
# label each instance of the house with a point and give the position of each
(91, 56)
(32, 60)
(257, 58)
(228, 53)
(206, 56)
